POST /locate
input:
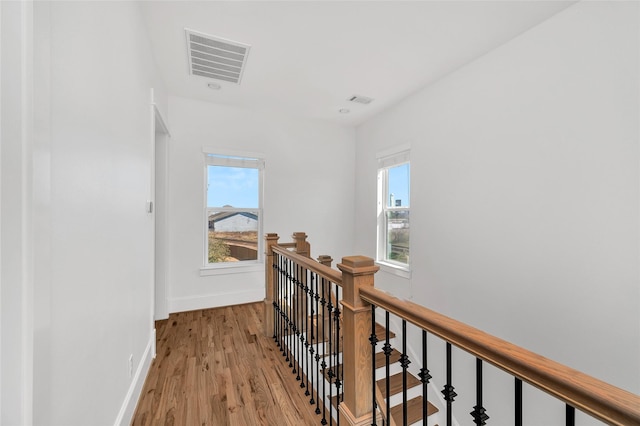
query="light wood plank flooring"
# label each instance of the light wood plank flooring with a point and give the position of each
(215, 367)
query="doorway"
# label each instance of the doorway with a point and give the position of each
(160, 189)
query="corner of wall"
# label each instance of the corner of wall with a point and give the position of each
(130, 402)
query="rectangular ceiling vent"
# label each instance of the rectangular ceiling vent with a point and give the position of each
(360, 99)
(216, 58)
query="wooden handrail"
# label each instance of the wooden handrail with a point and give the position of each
(601, 400)
(320, 269)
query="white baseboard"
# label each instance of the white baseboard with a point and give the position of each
(133, 394)
(183, 304)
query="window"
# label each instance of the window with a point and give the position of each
(393, 210)
(233, 210)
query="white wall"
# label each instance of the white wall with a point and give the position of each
(525, 193)
(308, 186)
(93, 287)
(16, 260)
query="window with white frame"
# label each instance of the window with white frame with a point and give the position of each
(393, 210)
(233, 210)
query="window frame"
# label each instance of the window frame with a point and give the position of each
(226, 158)
(388, 160)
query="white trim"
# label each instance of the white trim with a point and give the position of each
(390, 152)
(160, 120)
(233, 161)
(28, 331)
(151, 211)
(394, 270)
(158, 126)
(227, 268)
(232, 152)
(183, 304)
(1, 240)
(133, 394)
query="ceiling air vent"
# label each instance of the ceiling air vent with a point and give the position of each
(216, 58)
(360, 99)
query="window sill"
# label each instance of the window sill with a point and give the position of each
(232, 268)
(394, 269)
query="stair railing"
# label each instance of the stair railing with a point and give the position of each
(303, 314)
(594, 397)
(319, 322)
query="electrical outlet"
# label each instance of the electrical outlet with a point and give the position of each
(130, 365)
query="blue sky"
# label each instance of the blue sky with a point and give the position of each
(399, 183)
(234, 186)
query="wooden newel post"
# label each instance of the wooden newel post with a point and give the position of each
(357, 272)
(302, 246)
(269, 282)
(326, 260)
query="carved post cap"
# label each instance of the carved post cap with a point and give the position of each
(302, 246)
(270, 240)
(325, 259)
(358, 265)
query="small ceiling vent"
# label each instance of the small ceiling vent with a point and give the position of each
(216, 58)
(360, 99)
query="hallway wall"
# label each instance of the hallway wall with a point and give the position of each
(93, 238)
(525, 194)
(308, 186)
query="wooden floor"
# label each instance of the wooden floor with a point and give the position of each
(215, 367)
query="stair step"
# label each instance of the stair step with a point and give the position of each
(381, 358)
(395, 383)
(414, 411)
(336, 369)
(381, 361)
(381, 332)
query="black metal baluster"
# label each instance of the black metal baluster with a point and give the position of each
(387, 352)
(290, 322)
(337, 350)
(312, 350)
(338, 347)
(479, 414)
(571, 415)
(296, 322)
(280, 302)
(404, 362)
(287, 307)
(448, 391)
(283, 303)
(276, 297)
(324, 354)
(308, 350)
(518, 402)
(374, 340)
(425, 377)
(317, 346)
(299, 333)
(331, 374)
(274, 271)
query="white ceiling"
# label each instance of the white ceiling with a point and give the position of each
(308, 57)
